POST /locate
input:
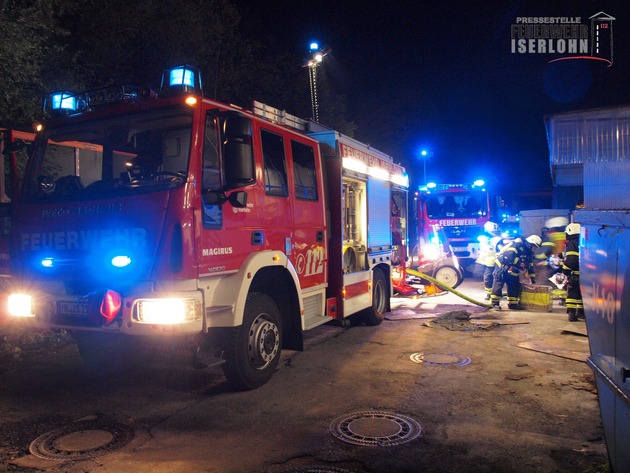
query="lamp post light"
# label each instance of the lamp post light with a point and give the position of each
(425, 154)
(317, 55)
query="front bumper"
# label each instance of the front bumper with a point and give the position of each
(145, 312)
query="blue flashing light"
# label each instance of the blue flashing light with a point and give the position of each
(483, 239)
(182, 76)
(63, 101)
(47, 263)
(479, 183)
(121, 261)
(184, 79)
(424, 152)
(314, 46)
(431, 185)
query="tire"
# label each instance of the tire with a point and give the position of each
(107, 354)
(380, 295)
(449, 276)
(252, 351)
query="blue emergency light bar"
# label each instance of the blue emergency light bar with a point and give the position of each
(479, 183)
(182, 76)
(177, 80)
(64, 100)
(63, 103)
(184, 79)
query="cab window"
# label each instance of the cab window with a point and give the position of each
(304, 173)
(275, 164)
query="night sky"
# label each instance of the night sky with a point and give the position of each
(441, 76)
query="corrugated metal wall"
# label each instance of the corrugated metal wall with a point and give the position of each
(599, 135)
(607, 185)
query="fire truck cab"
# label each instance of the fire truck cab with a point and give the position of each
(461, 210)
(149, 216)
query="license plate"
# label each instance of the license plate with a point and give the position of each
(77, 309)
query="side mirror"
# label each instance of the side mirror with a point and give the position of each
(237, 199)
(238, 156)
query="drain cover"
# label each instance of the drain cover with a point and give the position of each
(448, 359)
(80, 440)
(375, 428)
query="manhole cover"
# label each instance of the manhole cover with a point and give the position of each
(375, 428)
(80, 440)
(443, 359)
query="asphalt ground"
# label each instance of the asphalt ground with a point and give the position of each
(442, 385)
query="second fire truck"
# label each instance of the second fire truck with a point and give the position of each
(461, 210)
(149, 216)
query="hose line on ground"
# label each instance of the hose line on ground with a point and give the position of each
(445, 287)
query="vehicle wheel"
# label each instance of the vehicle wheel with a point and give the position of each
(107, 354)
(380, 295)
(449, 276)
(252, 351)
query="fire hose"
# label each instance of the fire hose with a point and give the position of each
(445, 287)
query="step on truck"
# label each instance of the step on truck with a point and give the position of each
(147, 217)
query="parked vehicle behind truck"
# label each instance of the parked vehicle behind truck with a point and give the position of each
(168, 215)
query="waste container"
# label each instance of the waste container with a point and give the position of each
(605, 285)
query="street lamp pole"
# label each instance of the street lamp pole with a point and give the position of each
(317, 57)
(312, 77)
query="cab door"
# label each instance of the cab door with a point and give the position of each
(309, 253)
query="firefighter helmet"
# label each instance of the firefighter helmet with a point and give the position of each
(573, 229)
(557, 222)
(491, 227)
(534, 240)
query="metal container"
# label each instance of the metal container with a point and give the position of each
(605, 284)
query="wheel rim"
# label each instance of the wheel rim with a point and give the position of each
(447, 276)
(263, 343)
(379, 297)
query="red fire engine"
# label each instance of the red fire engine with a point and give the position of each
(8, 182)
(461, 210)
(167, 214)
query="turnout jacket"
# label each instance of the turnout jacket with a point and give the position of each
(571, 262)
(516, 257)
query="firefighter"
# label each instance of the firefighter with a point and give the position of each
(547, 256)
(571, 269)
(511, 261)
(488, 254)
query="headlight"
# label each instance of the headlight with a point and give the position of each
(21, 305)
(168, 311)
(432, 252)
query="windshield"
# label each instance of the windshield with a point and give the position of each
(462, 205)
(118, 155)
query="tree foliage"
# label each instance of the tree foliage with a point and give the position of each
(83, 44)
(29, 37)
